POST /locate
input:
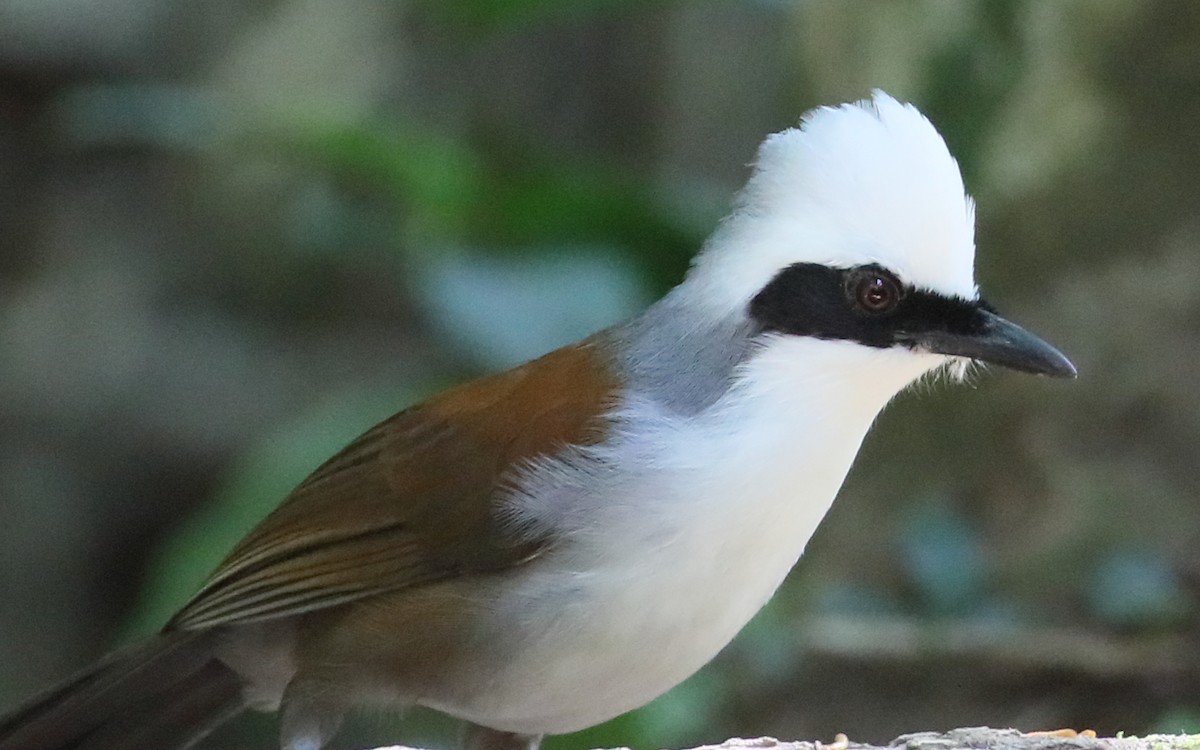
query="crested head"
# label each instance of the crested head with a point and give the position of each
(850, 250)
(859, 184)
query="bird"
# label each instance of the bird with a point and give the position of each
(543, 549)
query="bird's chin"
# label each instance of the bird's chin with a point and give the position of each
(891, 370)
(929, 368)
(955, 369)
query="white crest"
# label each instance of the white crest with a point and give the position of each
(869, 182)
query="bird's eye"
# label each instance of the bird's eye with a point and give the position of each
(875, 291)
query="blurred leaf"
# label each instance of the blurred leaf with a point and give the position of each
(837, 598)
(682, 716)
(502, 194)
(767, 650)
(115, 115)
(504, 311)
(942, 555)
(536, 196)
(496, 15)
(969, 82)
(437, 181)
(1135, 589)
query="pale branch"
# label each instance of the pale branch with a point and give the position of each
(1036, 648)
(973, 738)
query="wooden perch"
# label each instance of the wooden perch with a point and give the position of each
(973, 738)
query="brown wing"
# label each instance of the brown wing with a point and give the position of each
(411, 500)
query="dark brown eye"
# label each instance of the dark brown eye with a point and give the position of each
(876, 292)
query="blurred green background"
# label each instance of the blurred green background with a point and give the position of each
(234, 234)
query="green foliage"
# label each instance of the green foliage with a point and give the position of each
(489, 16)
(1138, 590)
(942, 556)
(505, 194)
(437, 181)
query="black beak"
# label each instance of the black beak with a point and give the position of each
(1000, 342)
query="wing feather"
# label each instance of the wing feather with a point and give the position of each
(412, 500)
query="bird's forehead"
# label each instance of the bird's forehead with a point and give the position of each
(871, 182)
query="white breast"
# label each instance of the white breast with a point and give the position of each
(678, 539)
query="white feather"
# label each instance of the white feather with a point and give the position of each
(870, 182)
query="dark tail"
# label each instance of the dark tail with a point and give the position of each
(163, 694)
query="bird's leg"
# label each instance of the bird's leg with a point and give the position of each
(475, 737)
(307, 723)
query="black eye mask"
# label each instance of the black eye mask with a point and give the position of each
(867, 304)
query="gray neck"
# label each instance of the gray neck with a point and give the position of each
(670, 355)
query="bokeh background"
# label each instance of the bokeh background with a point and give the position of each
(234, 234)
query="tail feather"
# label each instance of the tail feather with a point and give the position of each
(165, 693)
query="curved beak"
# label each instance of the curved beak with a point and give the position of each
(1000, 342)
